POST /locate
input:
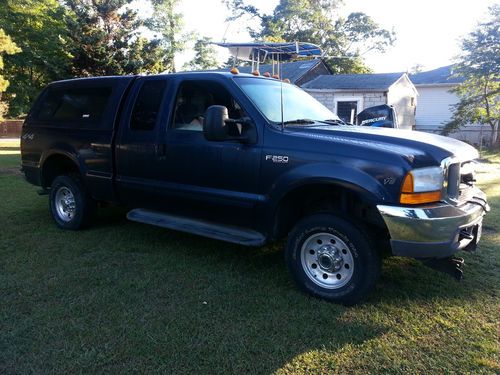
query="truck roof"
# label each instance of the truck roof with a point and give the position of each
(128, 77)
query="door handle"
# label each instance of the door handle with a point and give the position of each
(161, 150)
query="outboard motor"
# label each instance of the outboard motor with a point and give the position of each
(380, 116)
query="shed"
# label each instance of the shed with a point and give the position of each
(349, 94)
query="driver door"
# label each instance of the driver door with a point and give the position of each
(214, 180)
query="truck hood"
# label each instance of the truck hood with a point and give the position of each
(413, 145)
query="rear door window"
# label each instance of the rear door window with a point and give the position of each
(147, 105)
(79, 105)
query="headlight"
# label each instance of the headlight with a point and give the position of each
(422, 185)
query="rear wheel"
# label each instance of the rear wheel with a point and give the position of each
(331, 258)
(70, 204)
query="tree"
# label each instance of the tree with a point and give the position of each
(37, 27)
(343, 40)
(479, 64)
(205, 56)
(7, 46)
(417, 68)
(167, 25)
(106, 39)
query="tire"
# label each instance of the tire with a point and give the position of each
(331, 258)
(70, 205)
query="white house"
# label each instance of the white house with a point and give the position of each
(348, 94)
(435, 104)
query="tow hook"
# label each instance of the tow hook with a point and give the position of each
(452, 266)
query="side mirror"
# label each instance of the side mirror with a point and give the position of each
(214, 124)
(218, 127)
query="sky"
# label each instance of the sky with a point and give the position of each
(427, 31)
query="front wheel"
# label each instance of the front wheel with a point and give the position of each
(70, 204)
(331, 258)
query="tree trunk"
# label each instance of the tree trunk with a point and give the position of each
(494, 133)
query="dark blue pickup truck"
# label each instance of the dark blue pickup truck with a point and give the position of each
(252, 160)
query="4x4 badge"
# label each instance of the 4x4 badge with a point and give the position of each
(29, 136)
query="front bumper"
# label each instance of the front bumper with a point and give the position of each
(435, 231)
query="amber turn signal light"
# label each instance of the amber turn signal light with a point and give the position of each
(234, 71)
(420, 198)
(407, 186)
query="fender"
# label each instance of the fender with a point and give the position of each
(341, 175)
(321, 173)
(65, 150)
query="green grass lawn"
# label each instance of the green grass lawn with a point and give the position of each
(123, 297)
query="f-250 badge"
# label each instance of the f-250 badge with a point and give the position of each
(277, 158)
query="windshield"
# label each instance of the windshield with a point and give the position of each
(298, 106)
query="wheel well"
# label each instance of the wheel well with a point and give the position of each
(315, 198)
(57, 165)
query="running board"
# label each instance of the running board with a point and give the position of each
(222, 232)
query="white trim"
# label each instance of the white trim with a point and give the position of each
(361, 91)
(417, 85)
(358, 99)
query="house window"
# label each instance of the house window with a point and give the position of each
(412, 101)
(347, 111)
(348, 107)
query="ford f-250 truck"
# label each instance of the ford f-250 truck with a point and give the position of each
(252, 160)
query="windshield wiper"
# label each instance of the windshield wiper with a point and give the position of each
(300, 121)
(333, 121)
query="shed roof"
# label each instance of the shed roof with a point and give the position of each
(380, 81)
(443, 76)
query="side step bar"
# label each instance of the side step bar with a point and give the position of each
(217, 231)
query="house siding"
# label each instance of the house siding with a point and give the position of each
(434, 111)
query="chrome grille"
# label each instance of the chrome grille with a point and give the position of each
(453, 181)
(461, 178)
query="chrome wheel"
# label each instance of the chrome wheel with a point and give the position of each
(65, 204)
(327, 260)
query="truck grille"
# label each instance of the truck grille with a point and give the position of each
(461, 178)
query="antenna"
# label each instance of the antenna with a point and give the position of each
(281, 97)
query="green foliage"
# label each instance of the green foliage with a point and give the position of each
(37, 27)
(343, 40)
(479, 63)
(167, 25)
(8, 47)
(205, 56)
(105, 39)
